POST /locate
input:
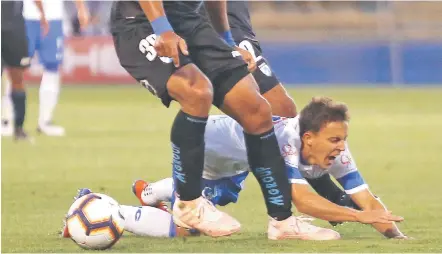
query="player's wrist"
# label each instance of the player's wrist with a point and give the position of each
(356, 215)
(161, 25)
(228, 37)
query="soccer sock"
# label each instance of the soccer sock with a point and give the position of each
(19, 102)
(325, 187)
(48, 96)
(7, 112)
(268, 167)
(147, 221)
(187, 139)
(161, 190)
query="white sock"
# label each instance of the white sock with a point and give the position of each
(147, 221)
(49, 90)
(7, 111)
(158, 191)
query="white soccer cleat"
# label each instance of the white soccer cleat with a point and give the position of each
(299, 228)
(202, 215)
(51, 130)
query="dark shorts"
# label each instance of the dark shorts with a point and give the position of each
(263, 74)
(134, 46)
(15, 46)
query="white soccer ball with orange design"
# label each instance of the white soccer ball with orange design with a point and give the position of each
(94, 221)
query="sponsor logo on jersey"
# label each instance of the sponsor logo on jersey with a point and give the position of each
(288, 150)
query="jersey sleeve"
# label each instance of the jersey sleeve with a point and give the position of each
(294, 175)
(291, 159)
(345, 171)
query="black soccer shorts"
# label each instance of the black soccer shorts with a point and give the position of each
(263, 74)
(218, 61)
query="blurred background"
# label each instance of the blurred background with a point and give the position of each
(306, 42)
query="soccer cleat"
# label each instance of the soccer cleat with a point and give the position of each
(21, 135)
(141, 189)
(202, 215)
(64, 233)
(51, 130)
(81, 192)
(299, 228)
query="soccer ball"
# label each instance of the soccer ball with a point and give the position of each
(94, 221)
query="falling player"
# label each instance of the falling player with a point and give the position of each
(313, 144)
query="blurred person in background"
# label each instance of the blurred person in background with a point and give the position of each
(99, 12)
(49, 45)
(15, 57)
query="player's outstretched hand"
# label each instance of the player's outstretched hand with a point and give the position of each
(169, 44)
(378, 216)
(251, 63)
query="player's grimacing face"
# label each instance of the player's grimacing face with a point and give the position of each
(328, 143)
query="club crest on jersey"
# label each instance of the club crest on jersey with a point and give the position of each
(345, 160)
(265, 69)
(288, 150)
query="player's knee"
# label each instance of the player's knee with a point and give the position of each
(202, 95)
(51, 66)
(258, 117)
(192, 90)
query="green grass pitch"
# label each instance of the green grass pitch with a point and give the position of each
(118, 134)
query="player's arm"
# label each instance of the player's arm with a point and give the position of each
(167, 43)
(314, 205)
(217, 12)
(367, 202)
(82, 13)
(346, 173)
(43, 21)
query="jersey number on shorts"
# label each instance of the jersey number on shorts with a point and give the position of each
(146, 47)
(249, 47)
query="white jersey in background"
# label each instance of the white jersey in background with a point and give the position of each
(226, 154)
(54, 10)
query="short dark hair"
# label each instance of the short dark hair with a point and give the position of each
(320, 111)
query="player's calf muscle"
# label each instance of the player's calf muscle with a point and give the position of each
(282, 104)
(192, 90)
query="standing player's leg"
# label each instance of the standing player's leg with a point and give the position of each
(193, 91)
(236, 93)
(270, 87)
(51, 53)
(280, 101)
(244, 103)
(15, 56)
